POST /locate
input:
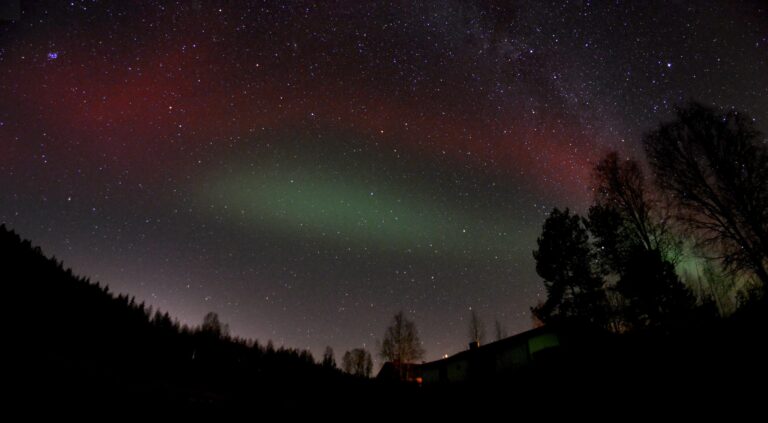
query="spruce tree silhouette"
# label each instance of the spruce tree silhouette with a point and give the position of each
(563, 260)
(654, 293)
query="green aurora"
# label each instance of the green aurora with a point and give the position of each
(357, 210)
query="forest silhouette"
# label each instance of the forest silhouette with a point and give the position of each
(78, 346)
(633, 332)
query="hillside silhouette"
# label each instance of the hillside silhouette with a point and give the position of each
(76, 346)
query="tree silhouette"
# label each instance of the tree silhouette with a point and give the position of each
(563, 260)
(624, 214)
(634, 245)
(401, 342)
(114, 350)
(654, 293)
(329, 361)
(357, 362)
(715, 167)
(619, 185)
(476, 328)
(213, 326)
(610, 236)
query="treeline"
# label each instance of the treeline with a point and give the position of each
(619, 267)
(658, 287)
(74, 343)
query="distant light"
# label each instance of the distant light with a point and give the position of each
(669, 64)
(53, 55)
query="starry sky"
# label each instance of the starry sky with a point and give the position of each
(307, 169)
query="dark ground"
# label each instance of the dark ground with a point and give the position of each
(77, 350)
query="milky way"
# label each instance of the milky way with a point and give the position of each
(308, 169)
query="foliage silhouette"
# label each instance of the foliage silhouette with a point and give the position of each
(89, 346)
(654, 293)
(329, 360)
(633, 244)
(77, 348)
(357, 362)
(619, 186)
(564, 261)
(401, 342)
(212, 326)
(714, 166)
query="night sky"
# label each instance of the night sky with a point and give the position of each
(307, 170)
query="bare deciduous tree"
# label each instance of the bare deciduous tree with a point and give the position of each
(357, 362)
(715, 167)
(476, 329)
(401, 342)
